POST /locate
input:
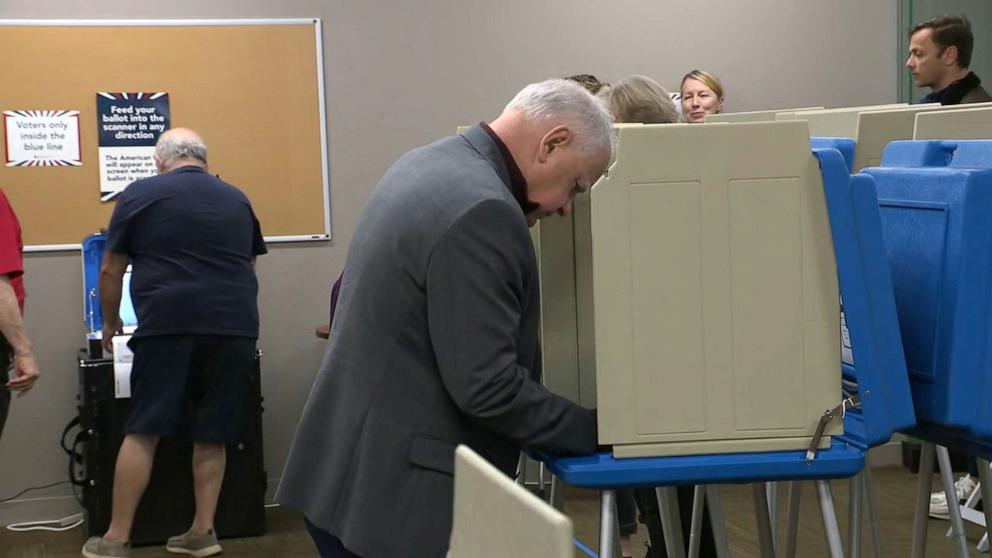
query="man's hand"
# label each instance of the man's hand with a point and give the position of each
(26, 373)
(109, 331)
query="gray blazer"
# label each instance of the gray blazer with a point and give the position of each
(434, 343)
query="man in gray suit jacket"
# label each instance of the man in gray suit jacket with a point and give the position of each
(434, 341)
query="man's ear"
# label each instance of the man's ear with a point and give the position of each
(557, 137)
(950, 55)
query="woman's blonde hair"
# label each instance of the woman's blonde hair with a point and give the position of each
(639, 99)
(707, 79)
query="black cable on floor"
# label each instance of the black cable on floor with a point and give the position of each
(29, 489)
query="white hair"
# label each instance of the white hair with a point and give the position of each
(571, 104)
(171, 148)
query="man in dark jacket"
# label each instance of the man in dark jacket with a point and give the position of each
(434, 341)
(939, 55)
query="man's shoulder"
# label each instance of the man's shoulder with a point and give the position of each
(978, 94)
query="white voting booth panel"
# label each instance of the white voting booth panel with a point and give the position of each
(842, 112)
(965, 123)
(495, 517)
(843, 122)
(877, 129)
(701, 291)
(751, 116)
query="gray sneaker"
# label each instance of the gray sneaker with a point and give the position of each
(98, 547)
(194, 545)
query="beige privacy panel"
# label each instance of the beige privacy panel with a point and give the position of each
(495, 517)
(706, 299)
(837, 122)
(752, 116)
(877, 128)
(970, 123)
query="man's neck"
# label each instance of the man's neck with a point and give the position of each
(180, 163)
(952, 75)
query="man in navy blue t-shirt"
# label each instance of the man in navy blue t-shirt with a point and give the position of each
(192, 241)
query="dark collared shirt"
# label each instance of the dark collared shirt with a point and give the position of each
(518, 184)
(953, 93)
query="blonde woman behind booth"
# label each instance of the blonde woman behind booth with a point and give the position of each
(639, 99)
(702, 94)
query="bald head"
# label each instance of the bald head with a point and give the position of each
(180, 147)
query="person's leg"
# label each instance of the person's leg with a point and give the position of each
(209, 460)
(157, 377)
(134, 467)
(4, 406)
(650, 516)
(4, 392)
(327, 544)
(220, 391)
(627, 517)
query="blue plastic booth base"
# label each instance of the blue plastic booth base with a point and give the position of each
(603, 471)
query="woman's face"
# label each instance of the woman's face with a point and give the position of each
(698, 101)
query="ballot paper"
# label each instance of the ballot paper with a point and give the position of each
(123, 357)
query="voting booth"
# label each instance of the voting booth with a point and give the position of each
(166, 508)
(702, 291)
(935, 198)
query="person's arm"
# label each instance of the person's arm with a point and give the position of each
(26, 371)
(111, 281)
(476, 298)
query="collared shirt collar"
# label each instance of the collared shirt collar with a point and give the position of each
(953, 93)
(518, 184)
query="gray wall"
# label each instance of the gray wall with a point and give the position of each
(399, 74)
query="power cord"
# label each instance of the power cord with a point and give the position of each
(56, 525)
(29, 489)
(62, 524)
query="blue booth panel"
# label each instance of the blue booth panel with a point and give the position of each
(869, 305)
(844, 145)
(93, 248)
(935, 199)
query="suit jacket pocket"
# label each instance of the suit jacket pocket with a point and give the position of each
(434, 454)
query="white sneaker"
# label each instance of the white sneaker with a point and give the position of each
(938, 501)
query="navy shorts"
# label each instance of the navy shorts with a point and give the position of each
(191, 386)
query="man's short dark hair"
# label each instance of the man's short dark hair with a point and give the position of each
(949, 31)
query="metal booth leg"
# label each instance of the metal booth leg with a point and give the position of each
(609, 527)
(856, 490)
(871, 504)
(671, 523)
(716, 518)
(985, 481)
(765, 537)
(556, 500)
(792, 519)
(830, 528)
(696, 527)
(953, 507)
(919, 548)
(771, 489)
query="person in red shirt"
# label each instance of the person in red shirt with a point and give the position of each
(16, 357)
